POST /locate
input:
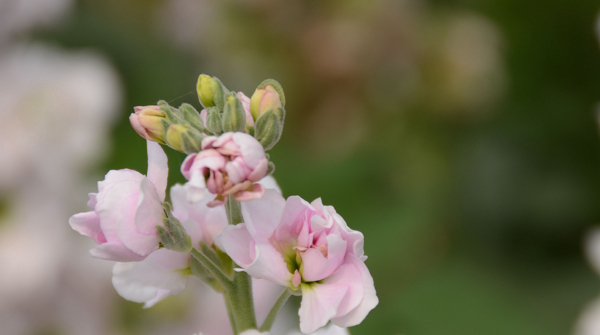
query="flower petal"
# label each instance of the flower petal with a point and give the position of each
(237, 242)
(262, 215)
(88, 224)
(369, 301)
(316, 266)
(152, 279)
(158, 169)
(269, 264)
(319, 304)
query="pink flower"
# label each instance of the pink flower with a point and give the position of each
(126, 211)
(228, 164)
(305, 247)
(164, 272)
(147, 122)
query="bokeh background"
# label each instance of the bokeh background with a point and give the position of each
(459, 136)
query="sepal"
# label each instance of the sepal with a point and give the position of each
(234, 116)
(173, 236)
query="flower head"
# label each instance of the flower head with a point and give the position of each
(228, 164)
(307, 247)
(126, 211)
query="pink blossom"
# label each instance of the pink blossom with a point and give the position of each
(126, 211)
(165, 272)
(306, 247)
(228, 164)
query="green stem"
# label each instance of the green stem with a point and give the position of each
(242, 302)
(268, 323)
(240, 292)
(221, 277)
(234, 211)
(230, 313)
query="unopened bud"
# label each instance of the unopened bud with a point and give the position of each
(191, 115)
(184, 138)
(234, 117)
(268, 129)
(204, 89)
(173, 236)
(268, 95)
(210, 91)
(147, 122)
(213, 121)
(172, 114)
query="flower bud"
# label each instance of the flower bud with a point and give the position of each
(184, 138)
(173, 236)
(211, 91)
(147, 122)
(172, 114)
(204, 89)
(268, 129)
(213, 121)
(267, 96)
(191, 115)
(234, 116)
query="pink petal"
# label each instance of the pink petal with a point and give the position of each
(115, 251)
(152, 279)
(252, 151)
(114, 201)
(295, 207)
(149, 212)
(297, 279)
(158, 170)
(369, 301)
(263, 215)
(319, 304)
(316, 266)
(88, 224)
(350, 275)
(269, 264)
(186, 166)
(237, 170)
(253, 193)
(260, 170)
(238, 244)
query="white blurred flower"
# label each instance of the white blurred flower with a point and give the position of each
(56, 109)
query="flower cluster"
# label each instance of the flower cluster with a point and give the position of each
(229, 223)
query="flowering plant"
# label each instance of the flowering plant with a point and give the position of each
(229, 223)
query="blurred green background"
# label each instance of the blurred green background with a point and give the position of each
(459, 136)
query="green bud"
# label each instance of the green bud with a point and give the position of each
(213, 121)
(219, 92)
(173, 236)
(184, 138)
(204, 90)
(191, 115)
(172, 114)
(234, 117)
(211, 91)
(268, 129)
